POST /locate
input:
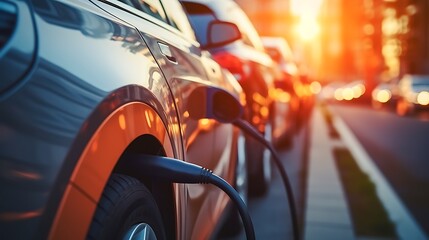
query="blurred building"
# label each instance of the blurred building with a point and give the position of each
(270, 17)
(373, 40)
(352, 40)
(373, 64)
(331, 41)
(408, 22)
(384, 39)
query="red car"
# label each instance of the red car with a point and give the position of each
(253, 68)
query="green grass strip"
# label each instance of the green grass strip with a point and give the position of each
(369, 216)
(328, 118)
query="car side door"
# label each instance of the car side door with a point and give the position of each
(186, 68)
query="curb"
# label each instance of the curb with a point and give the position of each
(327, 214)
(406, 226)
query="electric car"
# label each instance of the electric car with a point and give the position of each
(86, 84)
(253, 68)
(290, 89)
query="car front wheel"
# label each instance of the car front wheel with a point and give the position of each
(126, 210)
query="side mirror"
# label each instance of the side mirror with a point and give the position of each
(220, 33)
(214, 103)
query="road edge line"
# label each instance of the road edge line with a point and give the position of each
(406, 225)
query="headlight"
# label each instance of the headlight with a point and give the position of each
(358, 90)
(338, 94)
(423, 98)
(347, 94)
(382, 96)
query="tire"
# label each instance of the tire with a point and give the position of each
(125, 208)
(260, 177)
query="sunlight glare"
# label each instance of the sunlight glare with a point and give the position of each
(307, 11)
(308, 28)
(306, 7)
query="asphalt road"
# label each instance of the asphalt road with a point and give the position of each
(399, 146)
(270, 213)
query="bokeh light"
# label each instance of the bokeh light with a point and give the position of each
(423, 98)
(315, 87)
(382, 96)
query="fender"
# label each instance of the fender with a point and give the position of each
(97, 161)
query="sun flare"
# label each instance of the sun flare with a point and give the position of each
(308, 28)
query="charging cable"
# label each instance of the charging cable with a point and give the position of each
(246, 127)
(179, 171)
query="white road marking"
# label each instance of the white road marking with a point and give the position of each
(406, 225)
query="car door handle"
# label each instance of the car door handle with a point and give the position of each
(165, 50)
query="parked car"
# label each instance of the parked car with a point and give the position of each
(413, 94)
(248, 61)
(84, 84)
(289, 88)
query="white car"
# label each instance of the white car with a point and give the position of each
(413, 94)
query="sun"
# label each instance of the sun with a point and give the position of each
(307, 11)
(308, 28)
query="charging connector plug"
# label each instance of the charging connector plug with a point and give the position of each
(178, 171)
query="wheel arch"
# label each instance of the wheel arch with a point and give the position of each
(126, 127)
(163, 192)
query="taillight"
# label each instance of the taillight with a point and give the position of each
(235, 65)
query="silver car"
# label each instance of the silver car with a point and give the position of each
(413, 94)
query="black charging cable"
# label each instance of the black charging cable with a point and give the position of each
(246, 127)
(179, 171)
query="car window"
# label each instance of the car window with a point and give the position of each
(200, 16)
(151, 7)
(177, 18)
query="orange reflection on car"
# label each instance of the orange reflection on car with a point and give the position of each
(15, 216)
